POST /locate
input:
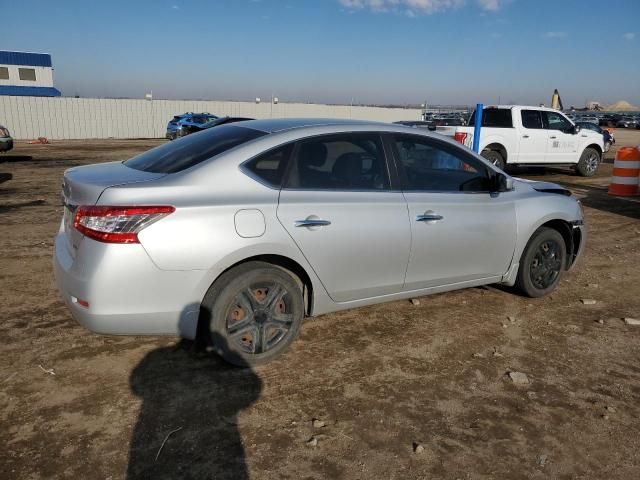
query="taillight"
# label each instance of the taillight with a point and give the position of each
(117, 224)
(460, 137)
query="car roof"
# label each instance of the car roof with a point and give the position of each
(273, 125)
(527, 107)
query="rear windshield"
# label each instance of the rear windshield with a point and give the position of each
(193, 149)
(494, 117)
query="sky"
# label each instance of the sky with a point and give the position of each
(337, 51)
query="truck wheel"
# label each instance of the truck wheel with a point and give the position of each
(541, 263)
(252, 313)
(588, 163)
(495, 158)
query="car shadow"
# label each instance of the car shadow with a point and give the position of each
(599, 199)
(16, 158)
(17, 206)
(188, 422)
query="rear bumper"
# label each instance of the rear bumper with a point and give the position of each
(127, 293)
(6, 144)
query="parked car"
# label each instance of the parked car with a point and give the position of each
(416, 123)
(588, 119)
(179, 124)
(450, 121)
(6, 142)
(607, 136)
(627, 122)
(240, 231)
(538, 136)
(216, 122)
(609, 119)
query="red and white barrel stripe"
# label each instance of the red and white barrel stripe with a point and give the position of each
(625, 180)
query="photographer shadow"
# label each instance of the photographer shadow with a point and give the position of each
(187, 426)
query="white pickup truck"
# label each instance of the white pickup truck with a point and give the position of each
(532, 136)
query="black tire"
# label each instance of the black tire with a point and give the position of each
(588, 163)
(541, 268)
(252, 313)
(495, 158)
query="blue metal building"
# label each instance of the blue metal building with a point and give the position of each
(27, 74)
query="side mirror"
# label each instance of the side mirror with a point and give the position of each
(576, 129)
(503, 183)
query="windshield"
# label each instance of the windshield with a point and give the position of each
(188, 151)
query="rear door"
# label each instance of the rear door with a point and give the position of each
(460, 231)
(533, 137)
(562, 143)
(340, 209)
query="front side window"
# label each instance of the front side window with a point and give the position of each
(191, 150)
(28, 74)
(430, 165)
(555, 121)
(340, 162)
(4, 73)
(269, 167)
(531, 119)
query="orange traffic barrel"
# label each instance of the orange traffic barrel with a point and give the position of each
(625, 181)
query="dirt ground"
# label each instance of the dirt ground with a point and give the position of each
(382, 379)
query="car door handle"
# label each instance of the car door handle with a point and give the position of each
(429, 217)
(312, 223)
(552, 137)
(525, 136)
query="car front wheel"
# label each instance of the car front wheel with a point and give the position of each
(542, 263)
(253, 312)
(588, 163)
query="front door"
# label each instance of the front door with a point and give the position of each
(562, 143)
(460, 231)
(338, 207)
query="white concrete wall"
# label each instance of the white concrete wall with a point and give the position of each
(44, 76)
(78, 118)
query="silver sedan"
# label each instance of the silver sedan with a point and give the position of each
(235, 234)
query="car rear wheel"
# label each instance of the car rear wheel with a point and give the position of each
(495, 158)
(588, 163)
(255, 311)
(542, 263)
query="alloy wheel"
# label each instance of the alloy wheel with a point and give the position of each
(259, 318)
(592, 163)
(546, 264)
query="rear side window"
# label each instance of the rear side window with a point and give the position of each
(191, 150)
(531, 119)
(269, 167)
(494, 117)
(344, 162)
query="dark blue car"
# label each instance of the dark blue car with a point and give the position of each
(606, 135)
(176, 126)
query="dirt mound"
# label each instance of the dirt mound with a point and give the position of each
(623, 106)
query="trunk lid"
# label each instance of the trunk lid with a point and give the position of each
(84, 185)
